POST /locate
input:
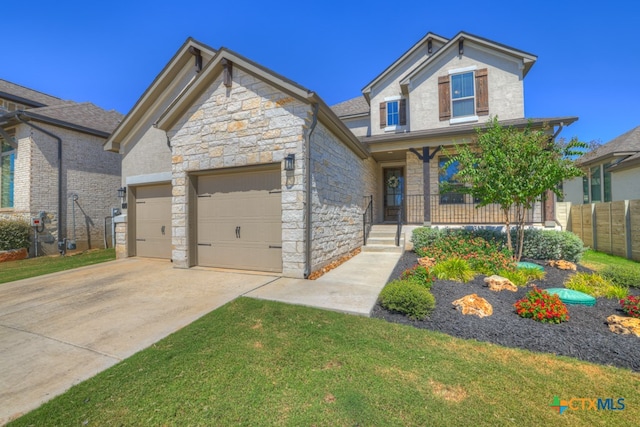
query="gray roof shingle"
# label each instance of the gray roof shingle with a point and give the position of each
(627, 142)
(27, 96)
(85, 115)
(354, 106)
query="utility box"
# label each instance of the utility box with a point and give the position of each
(36, 222)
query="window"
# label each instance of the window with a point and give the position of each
(393, 112)
(595, 184)
(606, 175)
(7, 167)
(585, 189)
(448, 183)
(393, 116)
(462, 95)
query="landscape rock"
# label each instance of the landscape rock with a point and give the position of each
(427, 262)
(498, 283)
(563, 265)
(473, 304)
(624, 325)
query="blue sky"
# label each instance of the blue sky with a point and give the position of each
(109, 52)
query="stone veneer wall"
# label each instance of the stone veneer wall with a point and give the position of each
(252, 123)
(88, 171)
(340, 179)
(414, 190)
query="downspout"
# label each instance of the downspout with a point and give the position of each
(61, 245)
(314, 121)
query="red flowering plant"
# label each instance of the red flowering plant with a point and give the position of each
(542, 306)
(419, 274)
(631, 305)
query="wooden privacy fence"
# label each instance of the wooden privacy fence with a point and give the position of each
(612, 227)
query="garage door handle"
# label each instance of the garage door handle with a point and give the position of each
(275, 247)
(162, 230)
(237, 232)
(141, 240)
(204, 244)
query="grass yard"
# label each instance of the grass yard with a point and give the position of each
(258, 363)
(598, 261)
(32, 267)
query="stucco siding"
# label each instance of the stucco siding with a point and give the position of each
(359, 127)
(625, 184)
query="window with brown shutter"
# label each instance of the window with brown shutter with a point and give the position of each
(383, 115)
(444, 97)
(482, 92)
(403, 112)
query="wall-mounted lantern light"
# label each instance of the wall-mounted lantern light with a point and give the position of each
(122, 194)
(290, 162)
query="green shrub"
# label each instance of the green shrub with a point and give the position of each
(551, 244)
(419, 274)
(517, 277)
(622, 275)
(409, 298)
(595, 285)
(532, 273)
(454, 268)
(426, 236)
(14, 234)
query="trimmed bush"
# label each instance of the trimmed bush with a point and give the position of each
(595, 285)
(14, 234)
(409, 298)
(426, 236)
(622, 275)
(418, 274)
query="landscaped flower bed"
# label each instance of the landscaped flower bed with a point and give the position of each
(584, 336)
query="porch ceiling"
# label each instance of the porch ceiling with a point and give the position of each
(390, 155)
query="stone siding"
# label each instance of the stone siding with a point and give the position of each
(88, 172)
(340, 179)
(252, 123)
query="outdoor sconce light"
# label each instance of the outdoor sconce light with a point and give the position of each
(290, 162)
(122, 194)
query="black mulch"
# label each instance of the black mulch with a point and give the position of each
(585, 336)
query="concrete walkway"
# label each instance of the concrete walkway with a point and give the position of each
(352, 288)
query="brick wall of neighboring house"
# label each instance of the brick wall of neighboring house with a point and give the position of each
(340, 179)
(88, 172)
(252, 123)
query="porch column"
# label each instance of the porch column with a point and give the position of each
(426, 186)
(549, 209)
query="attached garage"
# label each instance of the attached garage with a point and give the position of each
(239, 219)
(153, 221)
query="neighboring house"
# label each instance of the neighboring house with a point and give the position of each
(612, 172)
(37, 133)
(228, 164)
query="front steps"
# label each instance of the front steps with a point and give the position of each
(382, 238)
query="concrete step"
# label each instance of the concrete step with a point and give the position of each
(375, 240)
(382, 234)
(383, 248)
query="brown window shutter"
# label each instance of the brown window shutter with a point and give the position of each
(403, 112)
(444, 97)
(482, 92)
(383, 115)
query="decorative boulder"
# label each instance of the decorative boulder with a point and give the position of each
(427, 262)
(624, 325)
(13, 255)
(473, 304)
(563, 265)
(498, 283)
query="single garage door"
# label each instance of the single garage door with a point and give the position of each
(239, 220)
(153, 221)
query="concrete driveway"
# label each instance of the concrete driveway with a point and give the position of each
(60, 329)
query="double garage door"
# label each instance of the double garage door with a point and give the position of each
(238, 221)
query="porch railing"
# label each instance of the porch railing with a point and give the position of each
(367, 218)
(399, 226)
(460, 209)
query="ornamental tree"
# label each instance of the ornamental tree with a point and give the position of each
(514, 168)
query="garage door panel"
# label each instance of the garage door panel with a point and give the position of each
(153, 221)
(240, 221)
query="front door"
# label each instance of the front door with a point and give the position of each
(393, 193)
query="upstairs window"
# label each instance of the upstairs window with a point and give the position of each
(393, 112)
(463, 95)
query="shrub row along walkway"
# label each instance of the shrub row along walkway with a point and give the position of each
(585, 336)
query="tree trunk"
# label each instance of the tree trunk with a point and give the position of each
(522, 211)
(508, 229)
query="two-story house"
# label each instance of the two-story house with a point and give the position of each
(229, 164)
(53, 168)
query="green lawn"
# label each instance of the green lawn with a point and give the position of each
(260, 363)
(16, 270)
(598, 261)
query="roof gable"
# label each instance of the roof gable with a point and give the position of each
(527, 59)
(626, 147)
(353, 107)
(160, 86)
(424, 41)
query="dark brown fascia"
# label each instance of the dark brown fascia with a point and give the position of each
(213, 69)
(10, 119)
(149, 96)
